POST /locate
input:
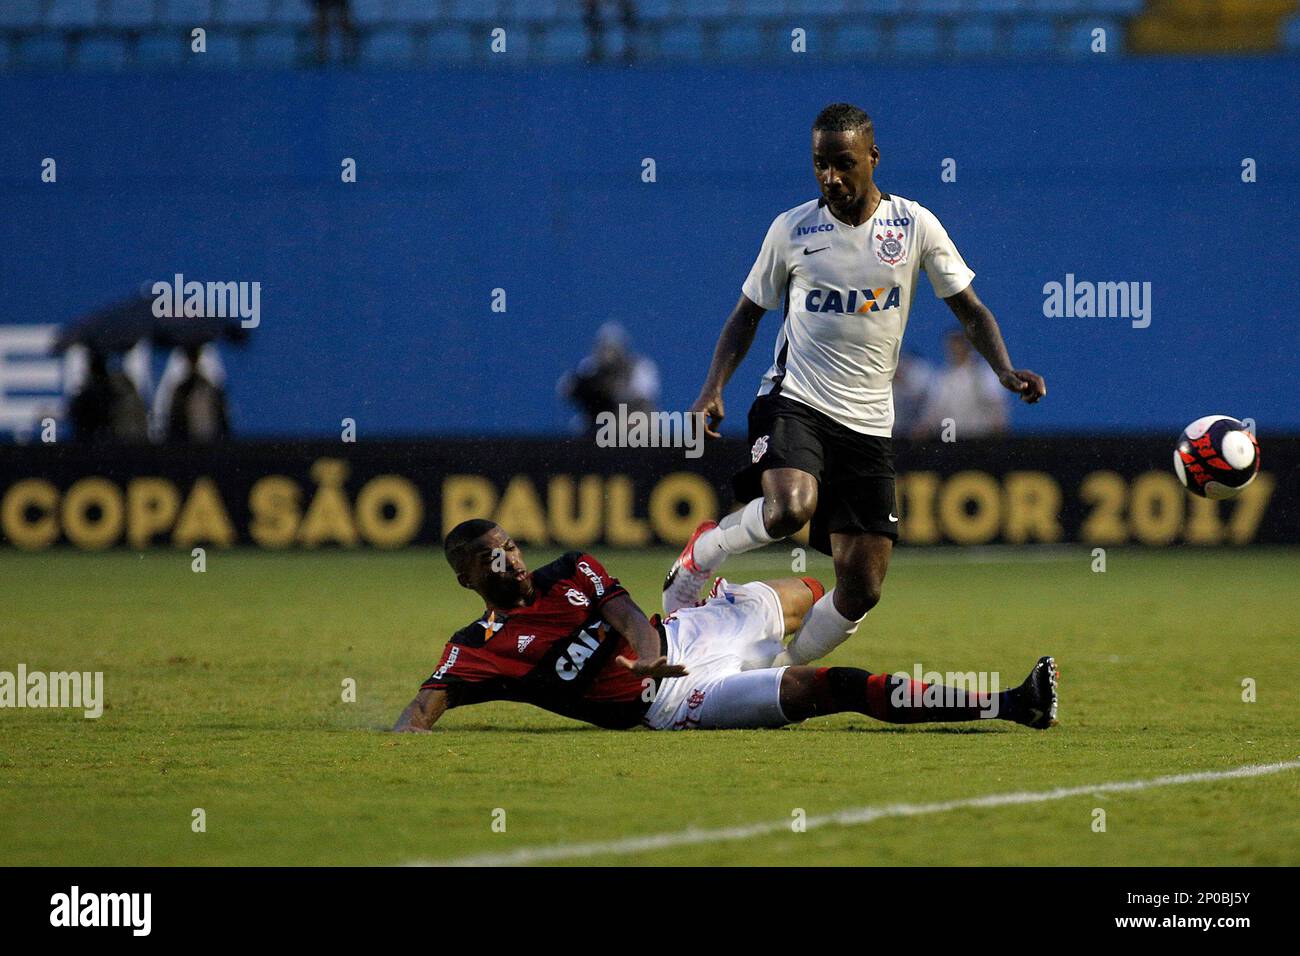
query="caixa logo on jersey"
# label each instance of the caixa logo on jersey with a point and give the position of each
(855, 300)
(570, 662)
(809, 230)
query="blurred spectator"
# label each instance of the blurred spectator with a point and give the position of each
(610, 376)
(108, 408)
(966, 391)
(911, 386)
(595, 18)
(190, 404)
(339, 14)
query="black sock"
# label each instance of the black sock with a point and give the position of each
(900, 700)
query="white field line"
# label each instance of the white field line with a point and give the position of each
(845, 818)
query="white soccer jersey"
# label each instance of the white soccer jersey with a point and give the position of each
(848, 291)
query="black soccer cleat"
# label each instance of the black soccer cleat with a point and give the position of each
(1036, 698)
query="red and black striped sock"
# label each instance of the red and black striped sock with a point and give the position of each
(818, 589)
(900, 700)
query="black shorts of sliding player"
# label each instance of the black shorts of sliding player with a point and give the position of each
(854, 472)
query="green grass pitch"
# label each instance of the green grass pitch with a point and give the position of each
(224, 692)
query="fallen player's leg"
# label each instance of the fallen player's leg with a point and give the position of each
(774, 697)
(897, 699)
(738, 628)
(728, 644)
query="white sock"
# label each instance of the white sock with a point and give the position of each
(737, 533)
(823, 630)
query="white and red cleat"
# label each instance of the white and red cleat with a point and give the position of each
(685, 578)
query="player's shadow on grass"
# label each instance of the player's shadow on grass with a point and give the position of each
(495, 729)
(503, 729)
(924, 729)
(585, 729)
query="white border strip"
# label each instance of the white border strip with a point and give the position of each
(844, 818)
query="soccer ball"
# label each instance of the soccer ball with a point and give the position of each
(1216, 457)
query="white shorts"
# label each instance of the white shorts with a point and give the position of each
(727, 645)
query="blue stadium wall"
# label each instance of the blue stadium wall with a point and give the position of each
(376, 296)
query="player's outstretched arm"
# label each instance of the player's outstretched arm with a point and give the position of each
(983, 332)
(622, 614)
(733, 344)
(422, 713)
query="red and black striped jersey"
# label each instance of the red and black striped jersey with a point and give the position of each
(556, 653)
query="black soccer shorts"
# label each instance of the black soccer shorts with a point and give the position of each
(854, 472)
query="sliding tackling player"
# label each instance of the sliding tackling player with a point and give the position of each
(568, 638)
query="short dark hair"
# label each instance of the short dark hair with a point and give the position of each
(841, 118)
(461, 537)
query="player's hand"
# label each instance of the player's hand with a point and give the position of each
(1028, 385)
(657, 669)
(710, 404)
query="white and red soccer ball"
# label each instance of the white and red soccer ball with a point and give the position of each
(1216, 457)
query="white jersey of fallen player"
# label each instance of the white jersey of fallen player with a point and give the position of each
(848, 291)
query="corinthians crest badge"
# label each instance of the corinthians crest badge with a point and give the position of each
(890, 248)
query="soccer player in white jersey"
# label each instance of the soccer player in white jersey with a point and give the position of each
(847, 266)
